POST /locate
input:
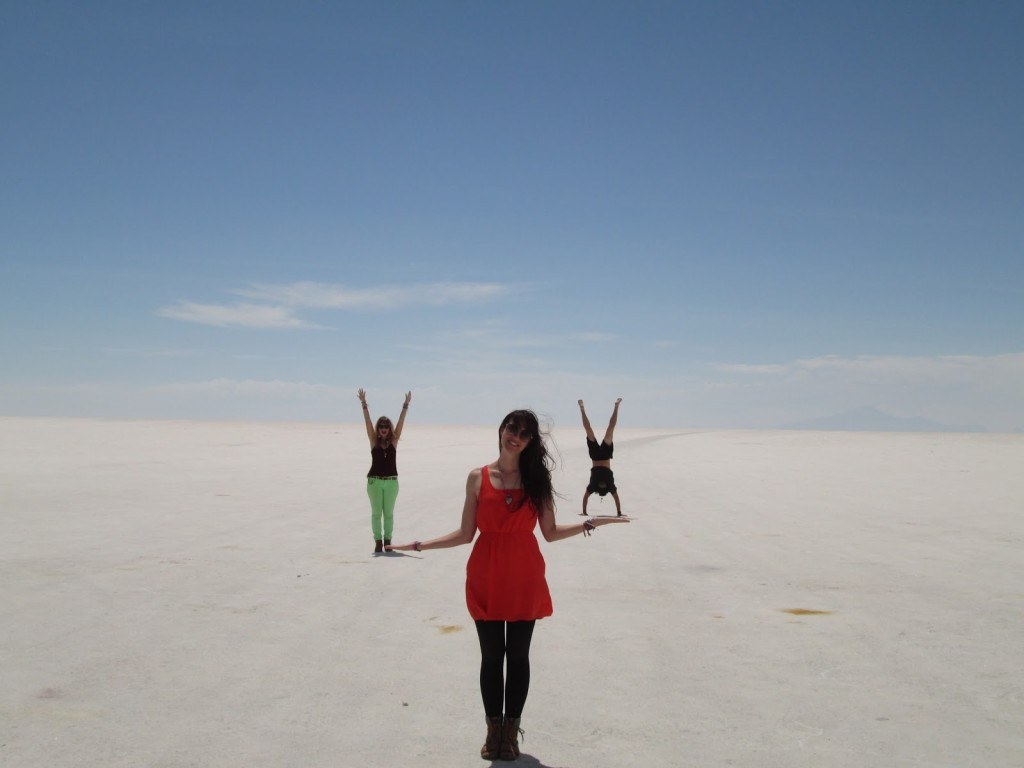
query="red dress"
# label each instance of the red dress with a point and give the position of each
(505, 573)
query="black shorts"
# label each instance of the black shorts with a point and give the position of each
(602, 481)
(602, 452)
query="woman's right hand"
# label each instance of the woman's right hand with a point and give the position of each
(361, 394)
(401, 547)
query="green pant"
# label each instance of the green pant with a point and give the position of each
(382, 493)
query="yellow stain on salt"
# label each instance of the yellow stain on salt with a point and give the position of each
(447, 629)
(805, 612)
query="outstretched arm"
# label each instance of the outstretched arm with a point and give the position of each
(401, 419)
(586, 423)
(612, 422)
(366, 417)
(552, 531)
(464, 533)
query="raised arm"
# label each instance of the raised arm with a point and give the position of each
(464, 533)
(370, 433)
(552, 531)
(401, 419)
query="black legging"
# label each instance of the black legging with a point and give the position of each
(495, 647)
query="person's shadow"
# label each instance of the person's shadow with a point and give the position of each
(524, 759)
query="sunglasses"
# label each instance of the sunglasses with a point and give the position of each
(522, 434)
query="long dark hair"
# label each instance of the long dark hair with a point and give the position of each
(384, 421)
(535, 463)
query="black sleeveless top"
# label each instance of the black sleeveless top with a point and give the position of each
(384, 463)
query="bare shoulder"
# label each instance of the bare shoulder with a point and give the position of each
(474, 480)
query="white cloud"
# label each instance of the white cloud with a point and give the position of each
(507, 338)
(130, 352)
(282, 301)
(952, 389)
(951, 368)
(752, 369)
(594, 337)
(234, 316)
(245, 387)
(331, 296)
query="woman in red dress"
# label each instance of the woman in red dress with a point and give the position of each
(506, 591)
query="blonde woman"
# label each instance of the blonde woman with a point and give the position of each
(382, 479)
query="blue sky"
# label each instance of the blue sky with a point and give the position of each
(731, 214)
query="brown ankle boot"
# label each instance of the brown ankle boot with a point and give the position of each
(509, 748)
(387, 542)
(492, 744)
(379, 547)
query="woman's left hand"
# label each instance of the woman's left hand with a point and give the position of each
(401, 547)
(408, 399)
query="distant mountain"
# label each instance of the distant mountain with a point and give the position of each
(870, 419)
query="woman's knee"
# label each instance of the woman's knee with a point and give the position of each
(492, 640)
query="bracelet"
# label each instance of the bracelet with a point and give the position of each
(405, 407)
(588, 526)
(416, 545)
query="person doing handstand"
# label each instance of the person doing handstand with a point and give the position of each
(602, 481)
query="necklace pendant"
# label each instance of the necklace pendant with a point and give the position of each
(508, 499)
